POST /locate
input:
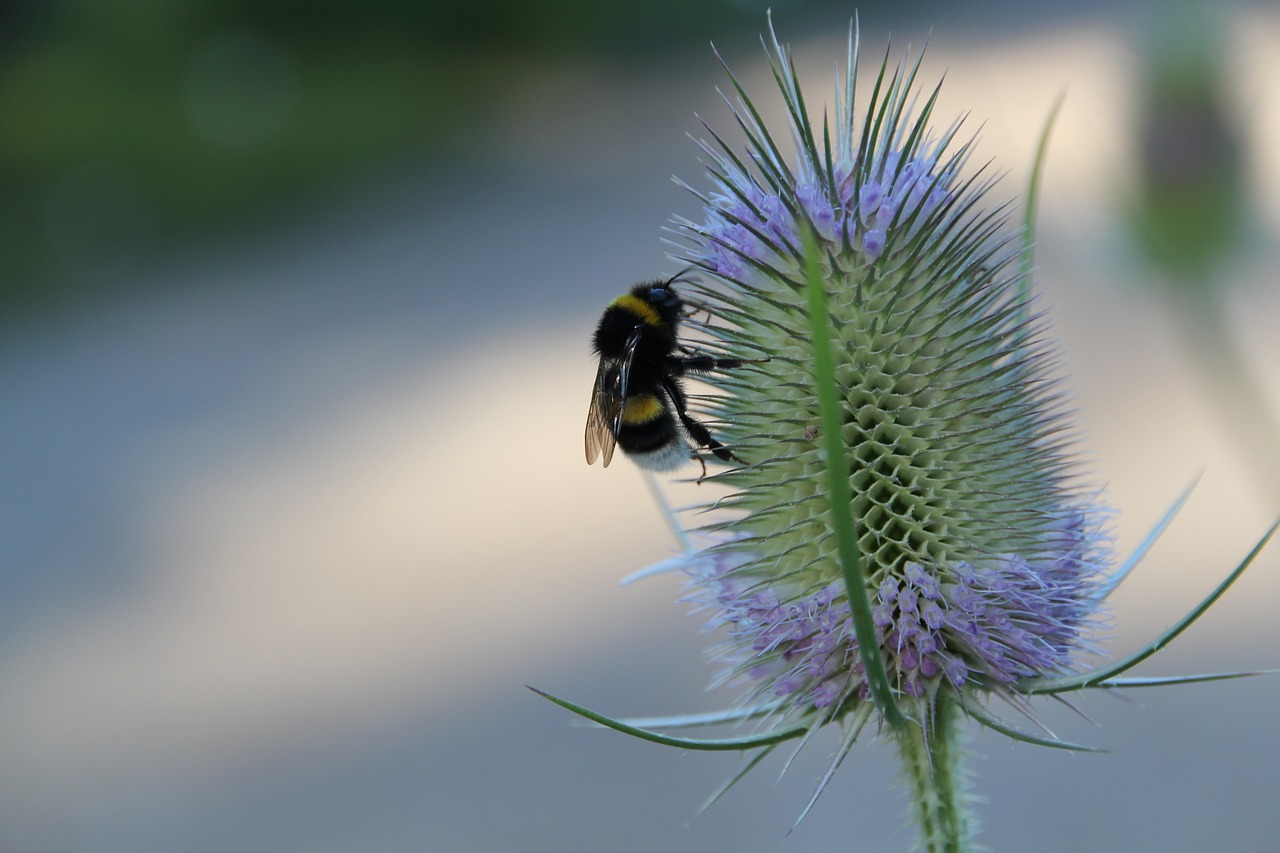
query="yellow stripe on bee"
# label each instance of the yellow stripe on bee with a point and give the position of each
(635, 305)
(641, 409)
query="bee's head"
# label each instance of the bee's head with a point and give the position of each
(662, 298)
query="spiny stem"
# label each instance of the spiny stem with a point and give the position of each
(933, 761)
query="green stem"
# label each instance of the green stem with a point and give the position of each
(934, 764)
(837, 475)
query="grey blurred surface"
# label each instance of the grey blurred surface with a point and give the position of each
(283, 533)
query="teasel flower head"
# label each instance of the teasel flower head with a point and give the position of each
(981, 545)
(909, 538)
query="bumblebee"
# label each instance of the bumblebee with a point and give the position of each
(638, 401)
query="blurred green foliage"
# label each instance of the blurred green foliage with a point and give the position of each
(124, 123)
(1191, 201)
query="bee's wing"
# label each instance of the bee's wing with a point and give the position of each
(608, 398)
(601, 415)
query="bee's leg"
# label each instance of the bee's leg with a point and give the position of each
(691, 311)
(696, 431)
(707, 363)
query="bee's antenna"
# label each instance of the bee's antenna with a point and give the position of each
(679, 276)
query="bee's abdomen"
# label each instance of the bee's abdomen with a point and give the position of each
(641, 409)
(647, 424)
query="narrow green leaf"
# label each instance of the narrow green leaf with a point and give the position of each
(710, 718)
(1160, 680)
(1117, 577)
(710, 745)
(991, 721)
(1093, 677)
(838, 488)
(1033, 196)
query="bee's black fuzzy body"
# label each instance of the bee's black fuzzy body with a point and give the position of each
(638, 402)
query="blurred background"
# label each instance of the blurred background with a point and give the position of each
(294, 366)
